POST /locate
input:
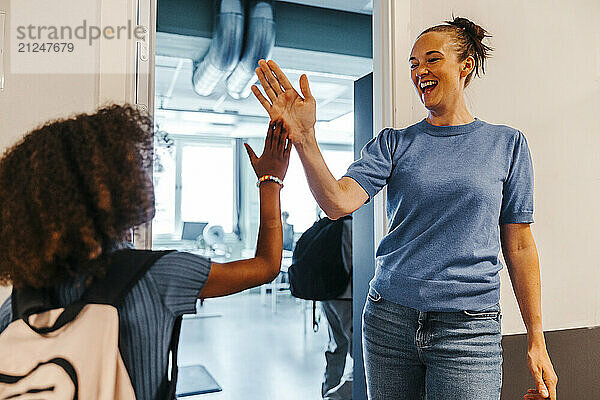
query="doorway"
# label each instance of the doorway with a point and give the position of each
(259, 343)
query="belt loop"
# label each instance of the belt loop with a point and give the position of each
(422, 317)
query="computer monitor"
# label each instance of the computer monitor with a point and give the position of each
(191, 230)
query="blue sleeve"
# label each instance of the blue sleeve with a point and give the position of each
(5, 314)
(180, 277)
(375, 164)
(517, 192)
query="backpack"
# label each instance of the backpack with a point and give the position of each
(72, 352)
(317, 271)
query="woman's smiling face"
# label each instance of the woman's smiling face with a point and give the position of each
(435, 71)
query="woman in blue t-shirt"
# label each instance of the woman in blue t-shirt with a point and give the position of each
(458, 190)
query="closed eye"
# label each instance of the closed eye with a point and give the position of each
(413, 66)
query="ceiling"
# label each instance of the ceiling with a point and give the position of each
(181, 111)
(331, 76)
(357, 6)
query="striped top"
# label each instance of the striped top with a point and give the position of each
(147, 315)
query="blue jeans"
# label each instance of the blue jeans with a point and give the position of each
(413, 355)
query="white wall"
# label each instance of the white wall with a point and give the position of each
(31, 99)
(544, 79)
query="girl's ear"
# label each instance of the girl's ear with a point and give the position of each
(467, 66)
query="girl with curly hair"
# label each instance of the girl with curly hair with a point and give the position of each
(71, 190)
(459, 188)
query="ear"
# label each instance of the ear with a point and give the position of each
(467, 66)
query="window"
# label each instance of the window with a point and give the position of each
(338, 160)
(297, 199)
(194, 181)
(207, 184)
(164, 190)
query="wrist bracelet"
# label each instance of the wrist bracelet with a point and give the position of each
(269, 178)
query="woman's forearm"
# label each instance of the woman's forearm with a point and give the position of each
(523, 267)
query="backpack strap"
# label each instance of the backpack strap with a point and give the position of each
(169, 384)
(124, 270)
(26, 301)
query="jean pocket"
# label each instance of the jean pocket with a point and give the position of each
(374, 296)
(488, 313)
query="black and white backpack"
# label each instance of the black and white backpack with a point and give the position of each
(73, 352)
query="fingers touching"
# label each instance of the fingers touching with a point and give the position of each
(281, 144)
(271, 139)
(276, 142)
(280, 140)
(284, 144)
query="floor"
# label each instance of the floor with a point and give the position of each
(254, 353)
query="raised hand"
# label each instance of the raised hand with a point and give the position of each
(285, 103)
(276, 154)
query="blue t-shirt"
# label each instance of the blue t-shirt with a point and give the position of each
(449, 188)
(147, 315)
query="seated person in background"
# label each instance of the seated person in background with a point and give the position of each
(70, 191)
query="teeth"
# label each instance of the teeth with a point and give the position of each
(427, 83)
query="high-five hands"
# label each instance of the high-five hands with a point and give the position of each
(276, 154)
(284, 102)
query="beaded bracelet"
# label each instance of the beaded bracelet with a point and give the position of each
(269, 178)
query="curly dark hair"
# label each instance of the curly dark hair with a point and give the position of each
(469, 41)
(70, 190)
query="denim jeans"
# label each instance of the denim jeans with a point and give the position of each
(413, 355)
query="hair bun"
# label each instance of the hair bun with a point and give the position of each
(470, 28)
